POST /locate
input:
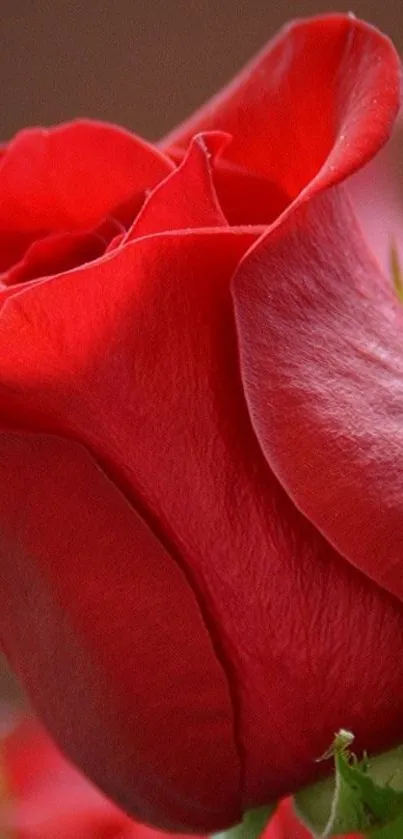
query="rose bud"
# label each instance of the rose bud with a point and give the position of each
(201, 410)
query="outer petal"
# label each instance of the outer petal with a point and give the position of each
(49, 799)
(316, 103)
(72, 175)
(320, 336)
(187, 198)
(153, 387)
(107, 635)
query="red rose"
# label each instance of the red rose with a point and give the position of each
(201, 515)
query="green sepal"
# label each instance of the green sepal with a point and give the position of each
(365, 797)
(252, 825)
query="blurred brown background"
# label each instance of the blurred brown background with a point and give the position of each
(144, 64)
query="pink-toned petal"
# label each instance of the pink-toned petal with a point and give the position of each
(105, 630)
(320, 337)
(314, 105)
(377, 194)
(187, 198)
(73, 175)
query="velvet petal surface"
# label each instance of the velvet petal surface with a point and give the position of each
(320, 340)
(107, 635)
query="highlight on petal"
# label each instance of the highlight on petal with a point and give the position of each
(320, 337)
(377, 195)
(187, 198)
(72, 175)
(105, 630)
(310, 109)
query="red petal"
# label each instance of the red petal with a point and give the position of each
(285, 825)
(13, 245)
(244, 198)
(316, 103)
(187, 198)
(47, 317)
(54, 254)
(51, 800)
(72, 175)
(308, 643)
(320, 336)
(106, 633)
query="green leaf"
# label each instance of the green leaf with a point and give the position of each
(394, 830)
(252, 825)
(365, 797)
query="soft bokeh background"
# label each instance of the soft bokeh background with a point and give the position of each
(143, 63)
